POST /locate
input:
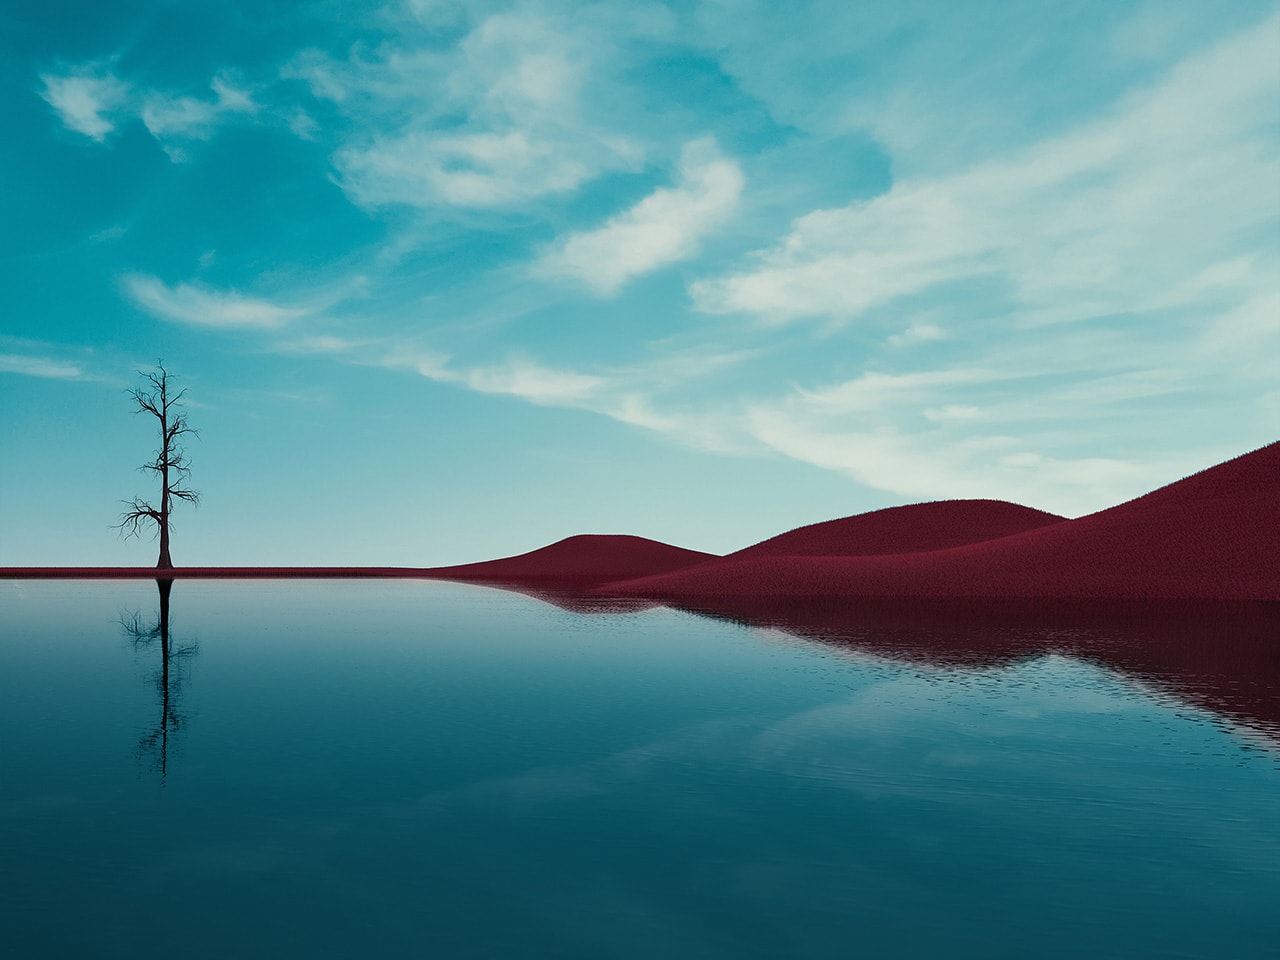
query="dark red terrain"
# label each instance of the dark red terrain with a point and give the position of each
(1212, 536)
(914, 528)
(579, 561)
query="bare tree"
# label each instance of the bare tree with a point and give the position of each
(157, 397)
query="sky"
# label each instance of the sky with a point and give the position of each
(450, 281)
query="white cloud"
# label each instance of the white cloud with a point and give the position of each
(935, 465)
(534, 382)
(39, 367)
(624, 394)
(518, 377)
(470, 169)
(952, 412)
(664, 227)
(85, 99)
(201, 306)
(318, 344)
(917, 333)
(878, 391)
(169, 118)
(93, 102)
(1105, 219)
(501, 119)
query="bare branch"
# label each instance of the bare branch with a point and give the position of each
(174, 399)
(146, 402)
(132, 519)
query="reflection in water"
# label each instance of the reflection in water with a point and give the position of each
(1220, 655)
(1223, 656)
(168, 680)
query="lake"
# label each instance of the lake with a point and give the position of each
(413, 768)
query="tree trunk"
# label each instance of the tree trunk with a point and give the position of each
(164, 563)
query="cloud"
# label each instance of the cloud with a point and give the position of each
(934, 465)
(39, 367)
(952, 412)
(534, 382)
(878, 391)
(168, 117)
(663, 228)
(938, 435)
(485, 169)
(200, 306)
(318, 344)
(92, 101)
(518, 376)
(917, 333)
(624, 394)
(85, 98)
(1102, 220)
(502, 118)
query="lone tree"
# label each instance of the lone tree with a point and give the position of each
(157, 397)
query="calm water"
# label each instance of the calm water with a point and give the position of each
(414, 769)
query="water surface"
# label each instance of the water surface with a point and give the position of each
(407, 769)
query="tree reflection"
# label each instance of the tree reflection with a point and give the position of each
(154, 743)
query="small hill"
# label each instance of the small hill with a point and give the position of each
(580, 560)
(915, 528)
(1213, 536)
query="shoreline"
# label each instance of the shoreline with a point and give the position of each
(213, 573)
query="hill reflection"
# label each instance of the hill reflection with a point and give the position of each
(1220, 655)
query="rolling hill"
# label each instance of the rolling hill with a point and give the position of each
(580, 560)
(1214, 536)
(914, 528)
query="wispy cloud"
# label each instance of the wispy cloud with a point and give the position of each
(173, 119)
(39, 367)
(86, 99)
(664, 227)
(534, 382)
(1010, 430)
(927, 465)
(628, 394)
(1074, 226)
(201, 306)
(499, 120)
(917, 333)
(520, 377)
(91, 100)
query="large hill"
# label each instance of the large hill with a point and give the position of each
(911, 529)
(1213, 535)
(580, 560)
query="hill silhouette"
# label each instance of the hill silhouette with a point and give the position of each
(579, 560)
(914, 528)
(1212, 536)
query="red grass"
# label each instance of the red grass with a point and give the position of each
(910, 529)
(1212, 536)
(587, 558)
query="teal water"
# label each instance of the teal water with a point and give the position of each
(418, 769)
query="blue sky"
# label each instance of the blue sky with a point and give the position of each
(449, 281)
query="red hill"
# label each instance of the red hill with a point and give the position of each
(1214, 535)
(915, 528)
(584, 559)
